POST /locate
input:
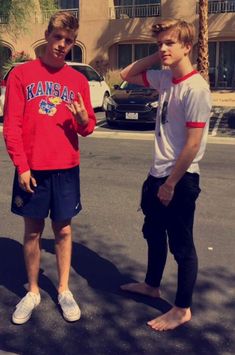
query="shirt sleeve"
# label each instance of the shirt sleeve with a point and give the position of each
(13, 118)
(197, 106)
(152, 78)
(89, 128)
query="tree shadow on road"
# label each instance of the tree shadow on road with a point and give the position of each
(112, 322)
(13, 273)
(101, 274)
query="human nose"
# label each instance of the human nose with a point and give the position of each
(163, 47)
(62, 43)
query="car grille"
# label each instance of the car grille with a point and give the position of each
(133, 108)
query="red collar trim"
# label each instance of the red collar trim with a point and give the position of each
(179, 80)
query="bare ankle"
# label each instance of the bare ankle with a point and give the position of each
(34, 289)
(62, 289)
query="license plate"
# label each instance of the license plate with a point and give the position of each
(131, 115)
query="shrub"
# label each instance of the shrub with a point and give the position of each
(15, 58)
(112, 78)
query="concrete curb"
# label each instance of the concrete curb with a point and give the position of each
(149, 136)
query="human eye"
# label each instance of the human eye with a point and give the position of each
(69, 41)
(57, 37)
(171, 43)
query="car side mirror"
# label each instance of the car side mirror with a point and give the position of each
(101, 78)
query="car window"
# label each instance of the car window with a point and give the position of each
(81, 70)
(88, 72)
(129, 86)
(93, 76)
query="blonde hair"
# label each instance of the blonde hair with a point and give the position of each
(63, 20)
(186, 30)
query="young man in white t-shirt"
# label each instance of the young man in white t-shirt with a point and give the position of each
(172, 187)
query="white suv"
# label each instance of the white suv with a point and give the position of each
(99, 89)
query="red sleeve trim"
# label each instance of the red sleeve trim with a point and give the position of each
(195, 124)
(145, 80)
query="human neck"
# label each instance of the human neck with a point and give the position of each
(52, 62)
(181, 68)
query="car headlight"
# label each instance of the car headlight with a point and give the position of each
(154, 104)
(110, 101)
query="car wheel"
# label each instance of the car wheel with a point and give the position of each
(104, 104)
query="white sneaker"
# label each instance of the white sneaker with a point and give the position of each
(70, 309)
(25, 307)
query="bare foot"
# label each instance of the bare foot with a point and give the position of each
(172, 319)
(141, 288)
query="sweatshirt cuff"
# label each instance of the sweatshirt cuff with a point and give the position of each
(22, 168)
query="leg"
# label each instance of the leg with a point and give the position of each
(33, 231)
(155, 234)
(180, 232)
(157, 254)
(32, 235)
(63, 247)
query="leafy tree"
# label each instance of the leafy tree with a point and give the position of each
(15, 15)
(203, 56)
(18, 12)
(15, 58)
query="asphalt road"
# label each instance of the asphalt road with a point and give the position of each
(108, 250)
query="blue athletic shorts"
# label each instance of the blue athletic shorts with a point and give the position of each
(57, 193)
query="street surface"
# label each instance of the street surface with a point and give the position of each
(108, 250)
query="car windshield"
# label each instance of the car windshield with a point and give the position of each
(128, 86)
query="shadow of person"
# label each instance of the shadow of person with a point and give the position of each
(13, 274)
(103, 275)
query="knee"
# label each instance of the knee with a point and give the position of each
(32, 236)
(62, 232)
(185, 254)
(33, 229)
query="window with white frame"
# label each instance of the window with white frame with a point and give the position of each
(68, 4)
(129, 52)
(221, 64)
(136, 8)
(135, 2)
(75, 55)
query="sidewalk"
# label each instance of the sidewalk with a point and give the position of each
(223, 98)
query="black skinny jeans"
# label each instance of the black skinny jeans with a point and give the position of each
(175, 222)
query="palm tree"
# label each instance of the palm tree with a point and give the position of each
(203, 57)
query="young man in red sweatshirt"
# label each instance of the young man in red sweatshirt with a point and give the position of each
(47, 106)
(172, 187)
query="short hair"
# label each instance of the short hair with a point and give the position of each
(65, 20)
(186, 30)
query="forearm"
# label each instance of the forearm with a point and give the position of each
(139, 66)
(183, 162)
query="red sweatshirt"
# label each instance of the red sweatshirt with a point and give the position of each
(39, 130)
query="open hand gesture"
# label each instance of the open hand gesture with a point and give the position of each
(79, 111)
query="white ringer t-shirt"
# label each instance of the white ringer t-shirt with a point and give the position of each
(183, 103)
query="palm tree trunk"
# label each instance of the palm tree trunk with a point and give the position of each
(203, 61)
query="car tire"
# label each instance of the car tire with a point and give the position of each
(106, 95)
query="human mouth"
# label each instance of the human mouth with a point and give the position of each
(59, 52)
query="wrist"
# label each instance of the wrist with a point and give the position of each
(169, 186)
